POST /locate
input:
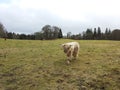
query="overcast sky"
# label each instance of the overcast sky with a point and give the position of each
(29, 16)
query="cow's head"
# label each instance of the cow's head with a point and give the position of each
(66, 47)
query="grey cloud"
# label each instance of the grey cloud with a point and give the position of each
(21, 20)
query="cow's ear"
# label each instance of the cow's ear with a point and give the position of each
(62, 45)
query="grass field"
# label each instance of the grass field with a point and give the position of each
(41, 65)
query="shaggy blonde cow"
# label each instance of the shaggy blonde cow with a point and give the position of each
(71, 49)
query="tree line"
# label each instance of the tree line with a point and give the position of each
(49, 32)
(95, 34)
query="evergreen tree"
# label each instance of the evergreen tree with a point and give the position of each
(106, 33)
(109, 34)
(99, 33)
(60, 35)
(95, 34)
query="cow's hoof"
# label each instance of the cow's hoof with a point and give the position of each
(68, 62)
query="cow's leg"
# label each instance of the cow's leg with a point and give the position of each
(75, 53)
(69, 57)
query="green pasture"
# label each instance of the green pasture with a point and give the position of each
(41, 65)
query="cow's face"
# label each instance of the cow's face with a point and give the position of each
(66, 47)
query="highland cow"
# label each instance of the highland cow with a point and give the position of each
(71, 49)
